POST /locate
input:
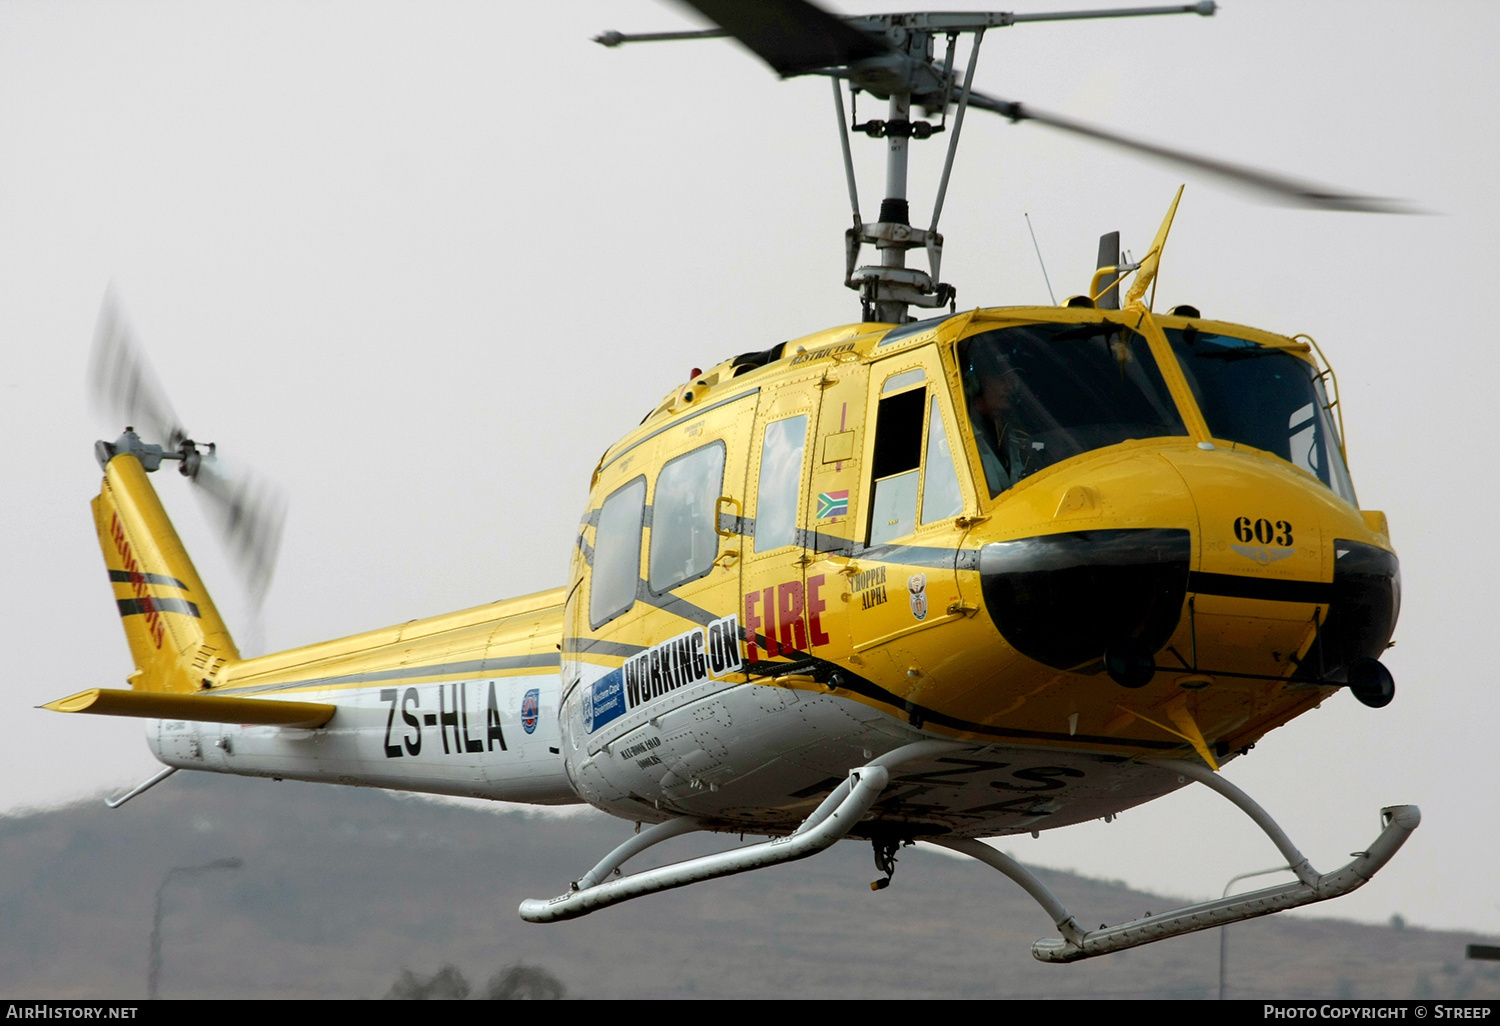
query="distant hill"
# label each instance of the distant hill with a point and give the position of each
(342, 890)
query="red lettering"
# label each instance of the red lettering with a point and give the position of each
(752, 654)
(768, 603)
(816, 605)
(154, 626)
(789, 617)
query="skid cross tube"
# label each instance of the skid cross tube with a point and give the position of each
(831, 820)
(1398, 820)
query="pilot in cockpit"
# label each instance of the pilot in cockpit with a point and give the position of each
(991, 384)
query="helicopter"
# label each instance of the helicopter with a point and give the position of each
(986, 573)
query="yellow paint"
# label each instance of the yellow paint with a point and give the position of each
(201, 708)
(1187, 729)
(1152, 260)
(875, 613)
(175, 651)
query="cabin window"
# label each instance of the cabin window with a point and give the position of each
(1042, 393)
(941, 497)
(1264, 397)
(683, 541)
(617, 553)
(897, 464)
(776, 497)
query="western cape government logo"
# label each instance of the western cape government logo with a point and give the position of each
(531, 704)
(704, 653)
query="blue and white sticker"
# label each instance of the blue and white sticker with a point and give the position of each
(531, 705)
(603, 701)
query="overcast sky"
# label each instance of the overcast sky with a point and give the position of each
(423, 262)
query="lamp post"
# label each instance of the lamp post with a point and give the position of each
(1224, 930)
(153, 972)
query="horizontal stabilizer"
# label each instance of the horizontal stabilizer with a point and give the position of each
(157, 705)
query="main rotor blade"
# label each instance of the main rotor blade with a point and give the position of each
(123, 382)
(1276, 187)
(249, 512)
(793, 36)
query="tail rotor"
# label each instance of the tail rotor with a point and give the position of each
(247, 509)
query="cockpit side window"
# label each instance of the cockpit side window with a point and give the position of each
(617, 553)
(683, 541)
(941, 496)
(1264, 397)
(1041, 393)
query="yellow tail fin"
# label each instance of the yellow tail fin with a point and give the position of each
(176, 635)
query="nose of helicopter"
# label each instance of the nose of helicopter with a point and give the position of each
(1279, 571)
(1285, 571)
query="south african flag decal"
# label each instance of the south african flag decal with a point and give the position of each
(833, 504)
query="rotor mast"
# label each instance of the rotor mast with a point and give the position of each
(890, 57)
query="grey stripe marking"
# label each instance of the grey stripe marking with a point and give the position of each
(824, 542)
(737, 525)
(474, 667)
(140, 606)
(676, 606)
(922, 555)
(697, 413)
(668, 603)
(126, 577)
(609, 648)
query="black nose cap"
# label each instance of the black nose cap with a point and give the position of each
(1070, 600)
(1371, 683)
(1130, 664)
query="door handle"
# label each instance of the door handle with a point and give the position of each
(739, 516)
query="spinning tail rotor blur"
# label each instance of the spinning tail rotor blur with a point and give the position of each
(247, 510)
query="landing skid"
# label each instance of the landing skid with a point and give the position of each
(842, 810)
(1077, 943)
(839, 813)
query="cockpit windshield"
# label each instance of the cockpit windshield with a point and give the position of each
(1041, 393)
(1263, 397)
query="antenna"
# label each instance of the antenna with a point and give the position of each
(1050, 294)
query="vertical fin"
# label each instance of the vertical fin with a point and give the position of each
(176, 636)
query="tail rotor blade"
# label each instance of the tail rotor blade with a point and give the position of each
(247, 509)
(249, 512)
(123, 383)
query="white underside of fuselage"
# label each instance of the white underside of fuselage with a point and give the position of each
(759, 758)
(492, 738)
(750, 757)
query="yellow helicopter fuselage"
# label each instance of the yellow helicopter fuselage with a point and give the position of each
(1040, 532)
(904, 589)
